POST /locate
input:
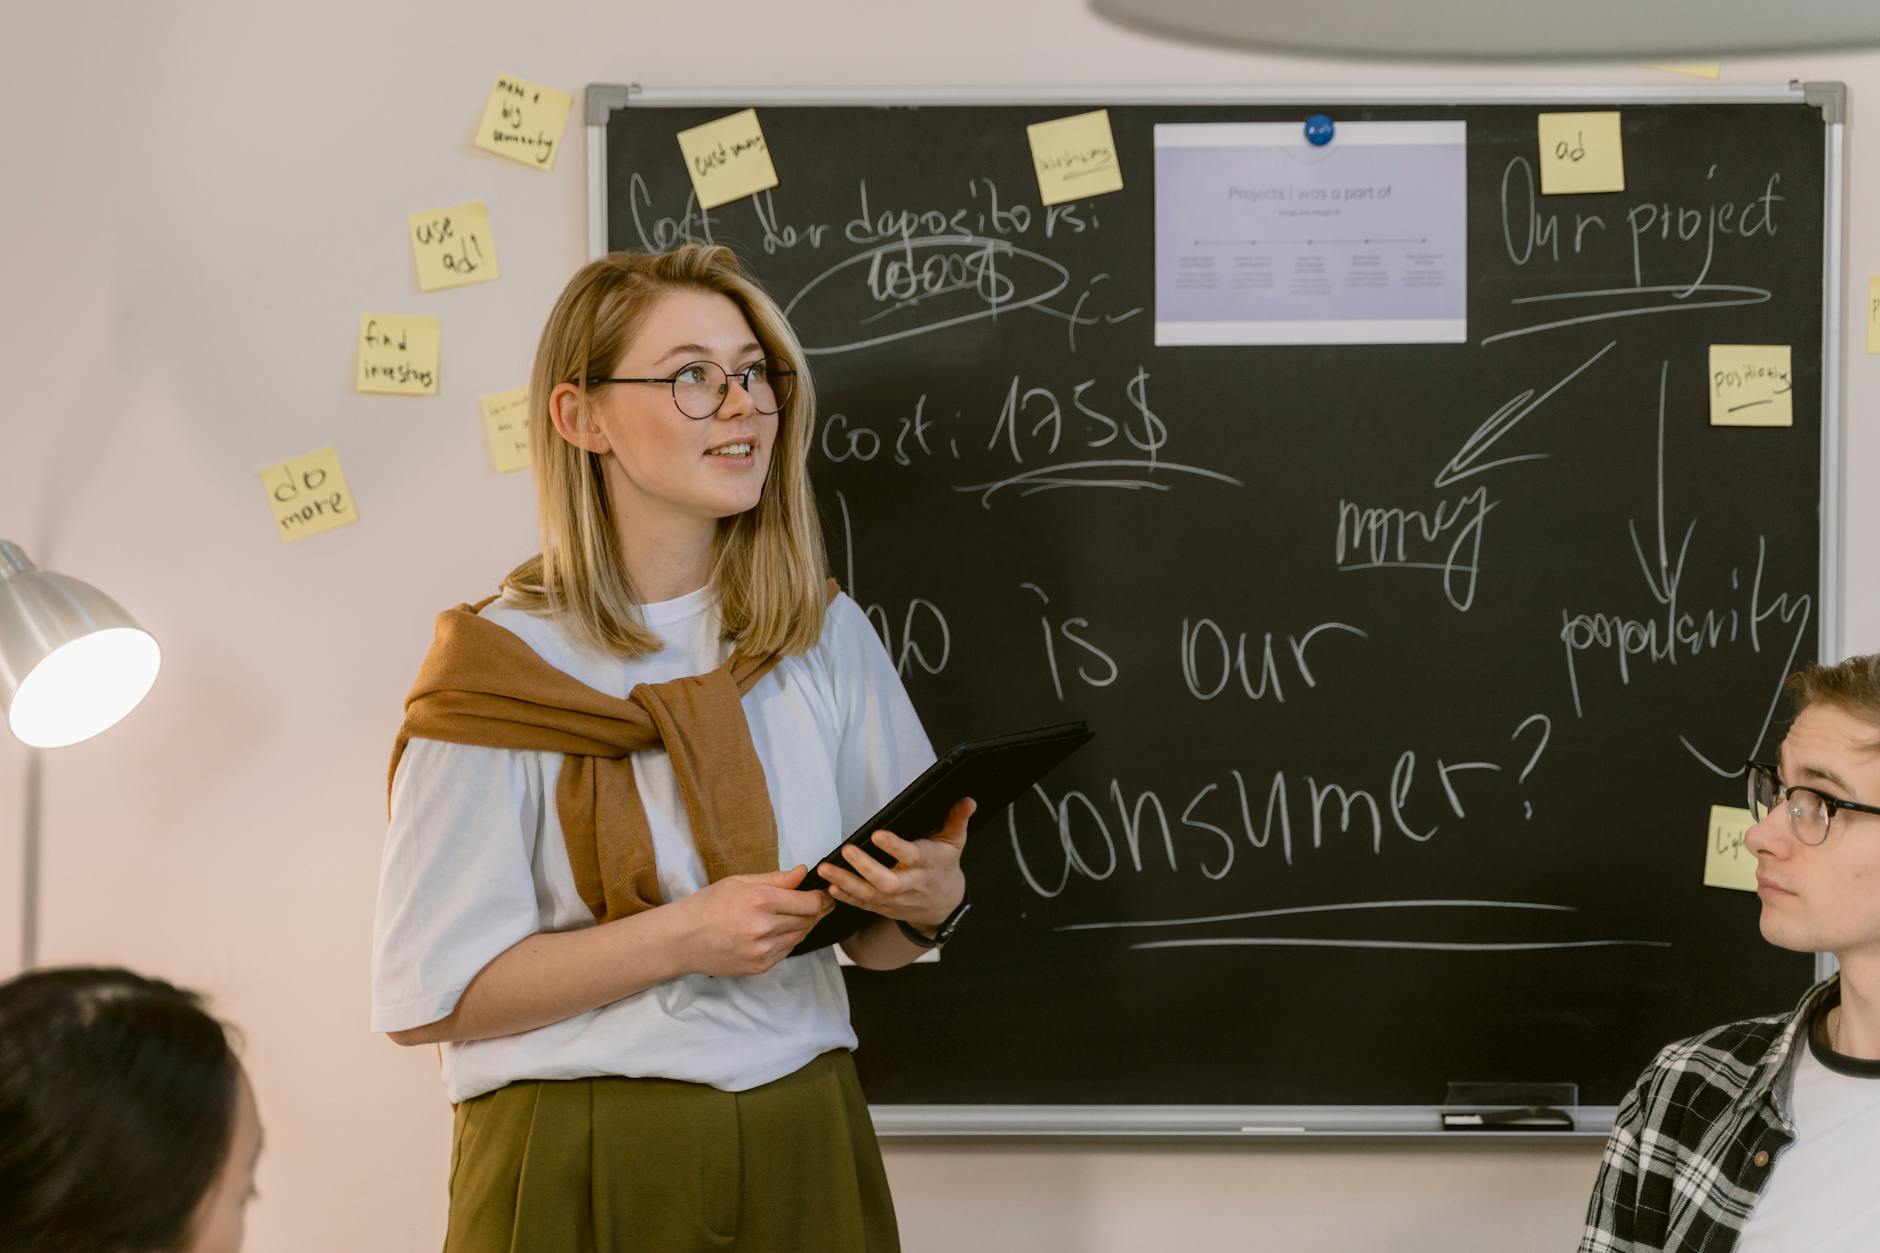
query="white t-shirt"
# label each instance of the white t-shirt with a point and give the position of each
(1821, 1194)
(475, 861)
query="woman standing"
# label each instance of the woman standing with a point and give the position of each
(600, 774)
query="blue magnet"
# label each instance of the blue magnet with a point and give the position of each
(1319, 130)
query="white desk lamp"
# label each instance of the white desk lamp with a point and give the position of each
(72, 663)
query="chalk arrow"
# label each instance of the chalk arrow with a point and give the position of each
(1665, 584)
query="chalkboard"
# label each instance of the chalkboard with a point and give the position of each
(1415, 668)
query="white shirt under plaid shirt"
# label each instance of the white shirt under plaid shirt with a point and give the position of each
(1697, 1138)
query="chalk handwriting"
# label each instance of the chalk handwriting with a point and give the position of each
(1076, 315)
(1045, 421)
(1634, 302)
(1659, 235)
(1681, 630)
(1057, 838)
(1528, 234)
(1390, 538)
(1448, 538)
(1293, 911)
(1040, 407)
(692, 226)
(1514, 908)
(1434, 946)
(925, 637)
(919, 285)
(781, 236)
(1466, 461)
(1097, 668)
(1129, 474)
(1209, 664)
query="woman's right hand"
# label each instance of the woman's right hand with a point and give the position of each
(745, 924)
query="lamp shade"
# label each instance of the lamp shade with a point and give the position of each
(72, 662)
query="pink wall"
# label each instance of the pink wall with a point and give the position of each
(203, 200)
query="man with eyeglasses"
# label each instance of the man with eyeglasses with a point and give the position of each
(1762, 1135)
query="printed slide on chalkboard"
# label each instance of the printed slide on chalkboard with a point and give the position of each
(1264, 238)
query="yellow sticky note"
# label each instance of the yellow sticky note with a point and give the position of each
(453, 247)
(309, 495)
(1075, 157)
(397, 355)
(1749, 385)
(506, 424)
(1873, 313)
(523, 121)
(1727, 864)
(1690, 69)
(727, 159)
(1581, 152)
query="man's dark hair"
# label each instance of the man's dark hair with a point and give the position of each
(117, 1107)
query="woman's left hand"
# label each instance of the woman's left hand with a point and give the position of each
(924, 885)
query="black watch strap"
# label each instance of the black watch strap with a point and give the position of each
(945, 930)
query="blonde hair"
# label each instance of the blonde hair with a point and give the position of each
(1852, 686)
(768, 568)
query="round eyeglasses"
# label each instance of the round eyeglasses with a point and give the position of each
(1810, 810)
(700, 388)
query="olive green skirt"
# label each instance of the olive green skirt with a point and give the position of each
(622, 1165)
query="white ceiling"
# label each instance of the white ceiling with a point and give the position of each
(1509, 29)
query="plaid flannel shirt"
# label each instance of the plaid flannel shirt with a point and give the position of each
(1695, 1141)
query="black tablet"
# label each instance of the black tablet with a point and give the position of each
(994, 772)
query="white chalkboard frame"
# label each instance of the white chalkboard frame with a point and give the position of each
(1317, 1122)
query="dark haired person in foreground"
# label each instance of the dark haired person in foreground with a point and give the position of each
(126, 1123)
(1762, 1135)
